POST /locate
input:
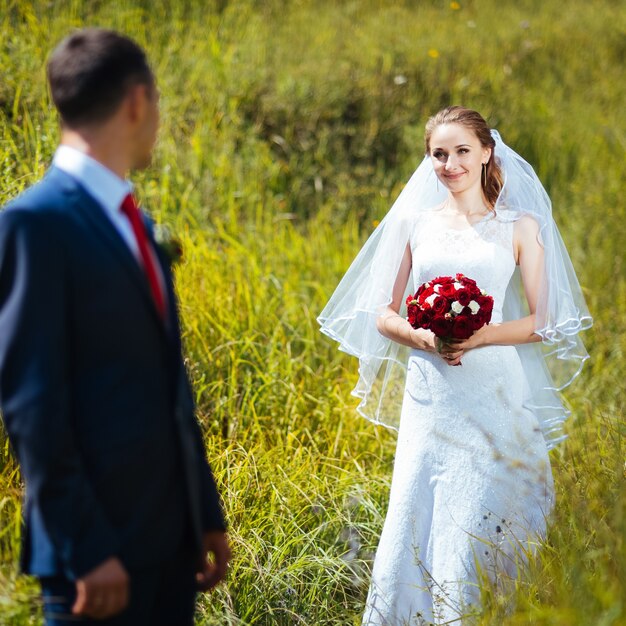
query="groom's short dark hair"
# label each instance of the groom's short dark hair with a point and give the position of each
(90, 73)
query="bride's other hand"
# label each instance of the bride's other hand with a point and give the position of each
(477, 339)
(450, 352)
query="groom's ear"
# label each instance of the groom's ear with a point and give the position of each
(137, 101)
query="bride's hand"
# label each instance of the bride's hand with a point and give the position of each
(450, 352)
(427, 340)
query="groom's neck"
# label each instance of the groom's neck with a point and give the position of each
(102, 144)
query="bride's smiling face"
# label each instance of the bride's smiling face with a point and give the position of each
(457, 156)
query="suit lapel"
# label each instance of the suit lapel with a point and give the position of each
(94, 215)
(172, 324)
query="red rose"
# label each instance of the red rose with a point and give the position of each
(412, 312)
(440, 305)
(424, 318)
(447, 290)
(485, 303)
(477, 321)
(486, 308)
(421, 289)
(462, 327)
(463, 296)
(468, 282)
(428, 291)
(441, 327)
(442, 280)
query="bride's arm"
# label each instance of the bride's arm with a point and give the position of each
(395, 327)
(529, 256)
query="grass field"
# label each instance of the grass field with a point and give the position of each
(287, 130)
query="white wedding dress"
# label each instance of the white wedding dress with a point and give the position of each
(471, 482)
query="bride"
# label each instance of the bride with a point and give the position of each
(472, 484)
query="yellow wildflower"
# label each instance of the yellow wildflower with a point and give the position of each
(433, 54)
(455, 6)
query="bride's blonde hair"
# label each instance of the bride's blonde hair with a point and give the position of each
(492, 181)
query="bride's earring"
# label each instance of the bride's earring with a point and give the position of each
(484, 175)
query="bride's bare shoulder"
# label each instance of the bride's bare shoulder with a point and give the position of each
(526, 227)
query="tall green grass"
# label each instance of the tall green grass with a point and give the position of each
(287, 129)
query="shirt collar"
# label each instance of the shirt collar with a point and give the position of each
(106, 187)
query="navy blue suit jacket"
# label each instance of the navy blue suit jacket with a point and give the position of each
(93, 392)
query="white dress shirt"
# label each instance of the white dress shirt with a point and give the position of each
(105, 187)
(108, 190)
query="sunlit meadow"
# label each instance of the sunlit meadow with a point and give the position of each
(287, 130)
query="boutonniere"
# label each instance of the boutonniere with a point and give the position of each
(169, 243)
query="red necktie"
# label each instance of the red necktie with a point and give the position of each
(130, 209)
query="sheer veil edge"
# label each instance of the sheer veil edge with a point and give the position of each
(365, 290)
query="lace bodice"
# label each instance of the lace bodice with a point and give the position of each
(483, 252)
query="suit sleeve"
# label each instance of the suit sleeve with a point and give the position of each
(35, 391)
(210, 509)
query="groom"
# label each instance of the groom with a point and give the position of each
(122, 518)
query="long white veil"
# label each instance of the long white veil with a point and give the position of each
(365, 290)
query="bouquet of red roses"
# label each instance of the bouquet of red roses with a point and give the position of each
(453, 308)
